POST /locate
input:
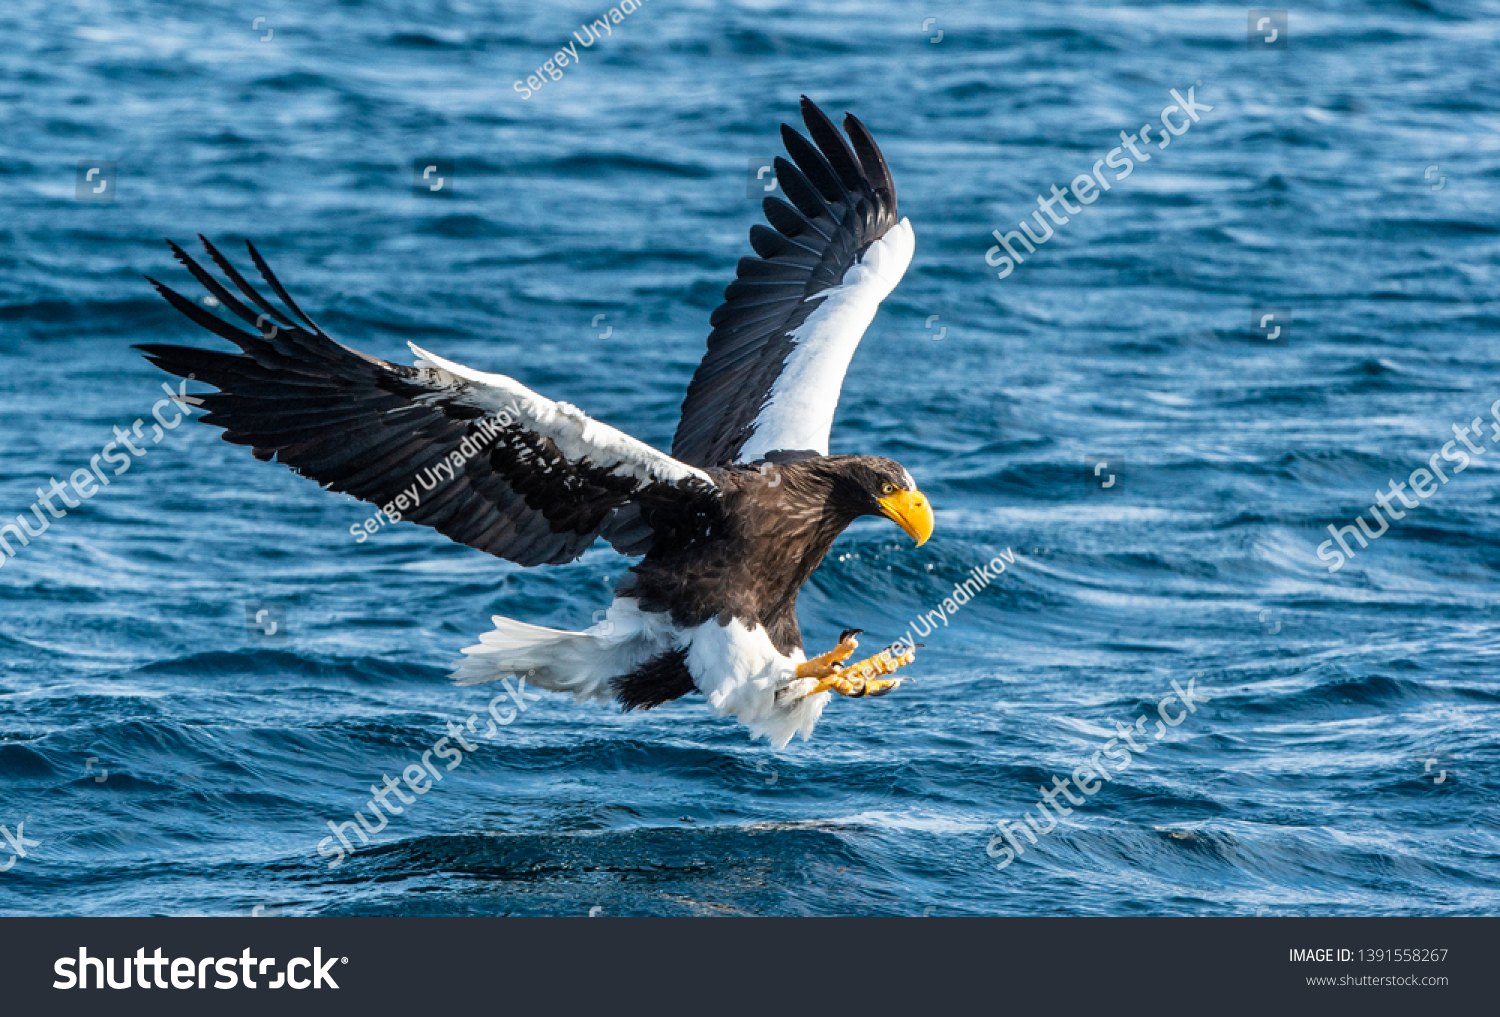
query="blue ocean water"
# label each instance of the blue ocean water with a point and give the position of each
(163, 755)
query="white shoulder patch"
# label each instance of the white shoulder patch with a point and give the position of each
(799, 413)
(577, 435)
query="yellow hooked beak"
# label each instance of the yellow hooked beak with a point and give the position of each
(911, 511)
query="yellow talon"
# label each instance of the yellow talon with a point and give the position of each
(866, 677)
(826, 664)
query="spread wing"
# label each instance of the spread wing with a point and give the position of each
(793, 316)
(479, 457)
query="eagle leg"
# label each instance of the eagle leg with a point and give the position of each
(826, 664)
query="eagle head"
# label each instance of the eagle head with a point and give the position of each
(875, 486)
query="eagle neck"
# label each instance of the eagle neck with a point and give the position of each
(808, 523)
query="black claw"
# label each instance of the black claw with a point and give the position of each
(850, 633)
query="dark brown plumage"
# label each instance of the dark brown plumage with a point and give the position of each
(772, 527)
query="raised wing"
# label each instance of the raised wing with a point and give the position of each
(792, 318)
(479, 457)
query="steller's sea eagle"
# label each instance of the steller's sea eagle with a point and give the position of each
(731, 524)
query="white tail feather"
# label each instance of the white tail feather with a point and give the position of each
(557, 660)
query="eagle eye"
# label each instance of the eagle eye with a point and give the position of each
(887, 488)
